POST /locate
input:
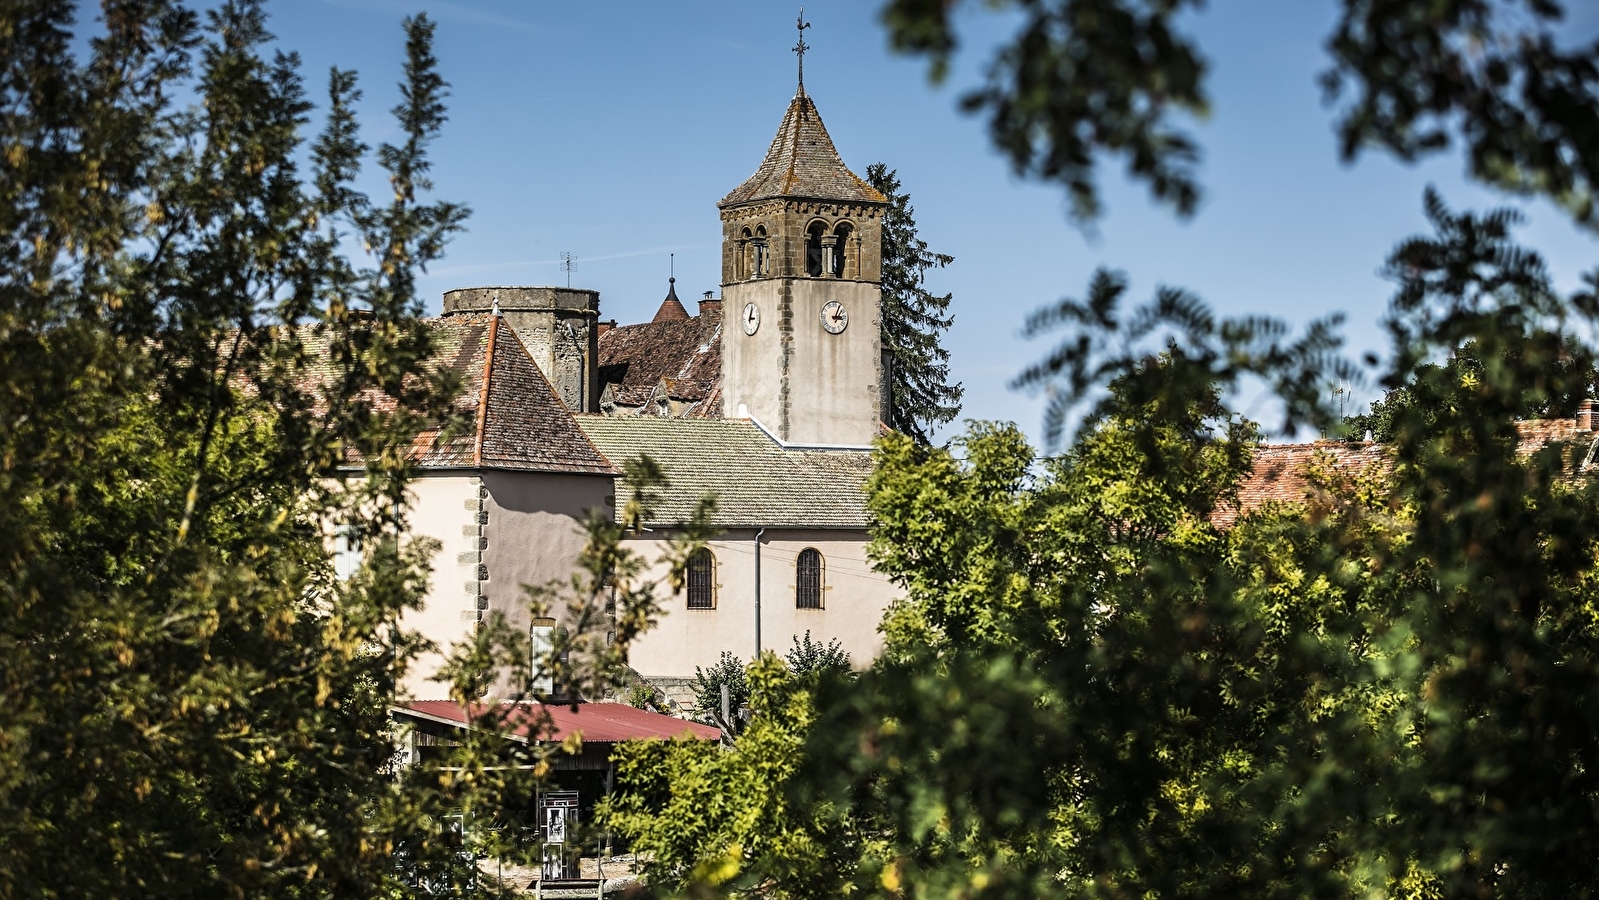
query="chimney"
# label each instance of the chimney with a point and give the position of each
(710, 306)
(603, 327)
(1587, 410)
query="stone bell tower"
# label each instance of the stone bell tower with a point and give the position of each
(801, 289)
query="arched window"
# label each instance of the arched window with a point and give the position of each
(746, 252)
(841, 236)
(808, 579)
(702, 580)
(813, 249)
(760, 251)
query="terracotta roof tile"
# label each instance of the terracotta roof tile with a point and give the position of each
(685, 356)
(597, 723)
(802, 162)
(1280, 472)
(517, 422)
(671, 308)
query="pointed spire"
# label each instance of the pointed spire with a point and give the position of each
(671, 308)
(799, 50)
(802, 162)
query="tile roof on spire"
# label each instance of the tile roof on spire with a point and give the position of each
(802, 162)
(671, 308)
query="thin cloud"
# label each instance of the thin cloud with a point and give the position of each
(475, 268)
(439, 10)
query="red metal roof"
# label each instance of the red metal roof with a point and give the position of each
(605, 723)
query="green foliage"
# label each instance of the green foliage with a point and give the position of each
(813, 660)
(708, 685)
(198, 389)
(698, 815)
(645, 696)
(921, 397)
(1101, 681)
(1567, 374)
(1079, 78)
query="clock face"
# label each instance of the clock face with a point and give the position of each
(752, 318)
(834, 318)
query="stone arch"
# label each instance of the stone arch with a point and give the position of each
(758, 254)
(843, 260)
(815, 232)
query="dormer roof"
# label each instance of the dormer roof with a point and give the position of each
(802, 162)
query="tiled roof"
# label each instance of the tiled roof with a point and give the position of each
(755, 480)
(517, 422)
(685, 355)
(802, 162)
(597, 723)
(671, 308)
(1535, 433)
(1279, 472)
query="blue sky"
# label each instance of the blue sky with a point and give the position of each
(610, 130)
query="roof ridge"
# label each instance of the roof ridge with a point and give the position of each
(559, 409)
(483, 395)
(790, 169)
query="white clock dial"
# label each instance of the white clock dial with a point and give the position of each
(752, 318)
(834, 318)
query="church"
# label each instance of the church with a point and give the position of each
(767, 398)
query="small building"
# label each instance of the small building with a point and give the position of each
(506, 500)
(429, 726)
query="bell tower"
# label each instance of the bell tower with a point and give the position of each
(801, 288)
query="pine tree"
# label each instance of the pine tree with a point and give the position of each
(921, 396)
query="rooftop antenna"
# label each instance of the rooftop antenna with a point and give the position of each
(568, 263)
(801, 47)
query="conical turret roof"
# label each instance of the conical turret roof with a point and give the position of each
(671, 308)
(803, 162)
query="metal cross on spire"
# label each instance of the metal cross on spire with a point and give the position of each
(801, 47)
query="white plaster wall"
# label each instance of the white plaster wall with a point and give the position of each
(853, 600)
(443, 507)
(752, 365)
(833, 391)
(535, 533)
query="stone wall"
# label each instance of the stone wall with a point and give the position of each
(559, 327)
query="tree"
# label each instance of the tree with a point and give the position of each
(1553, 392)
(812, 660)
(920, 395)
(198, 389)
(694, 813)
(728, 672)
(1098, 684)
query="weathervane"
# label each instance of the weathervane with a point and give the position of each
(801, 47)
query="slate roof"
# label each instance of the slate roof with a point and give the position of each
(684, 354)
(756, 481)
(517, 421)
(802, 162)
